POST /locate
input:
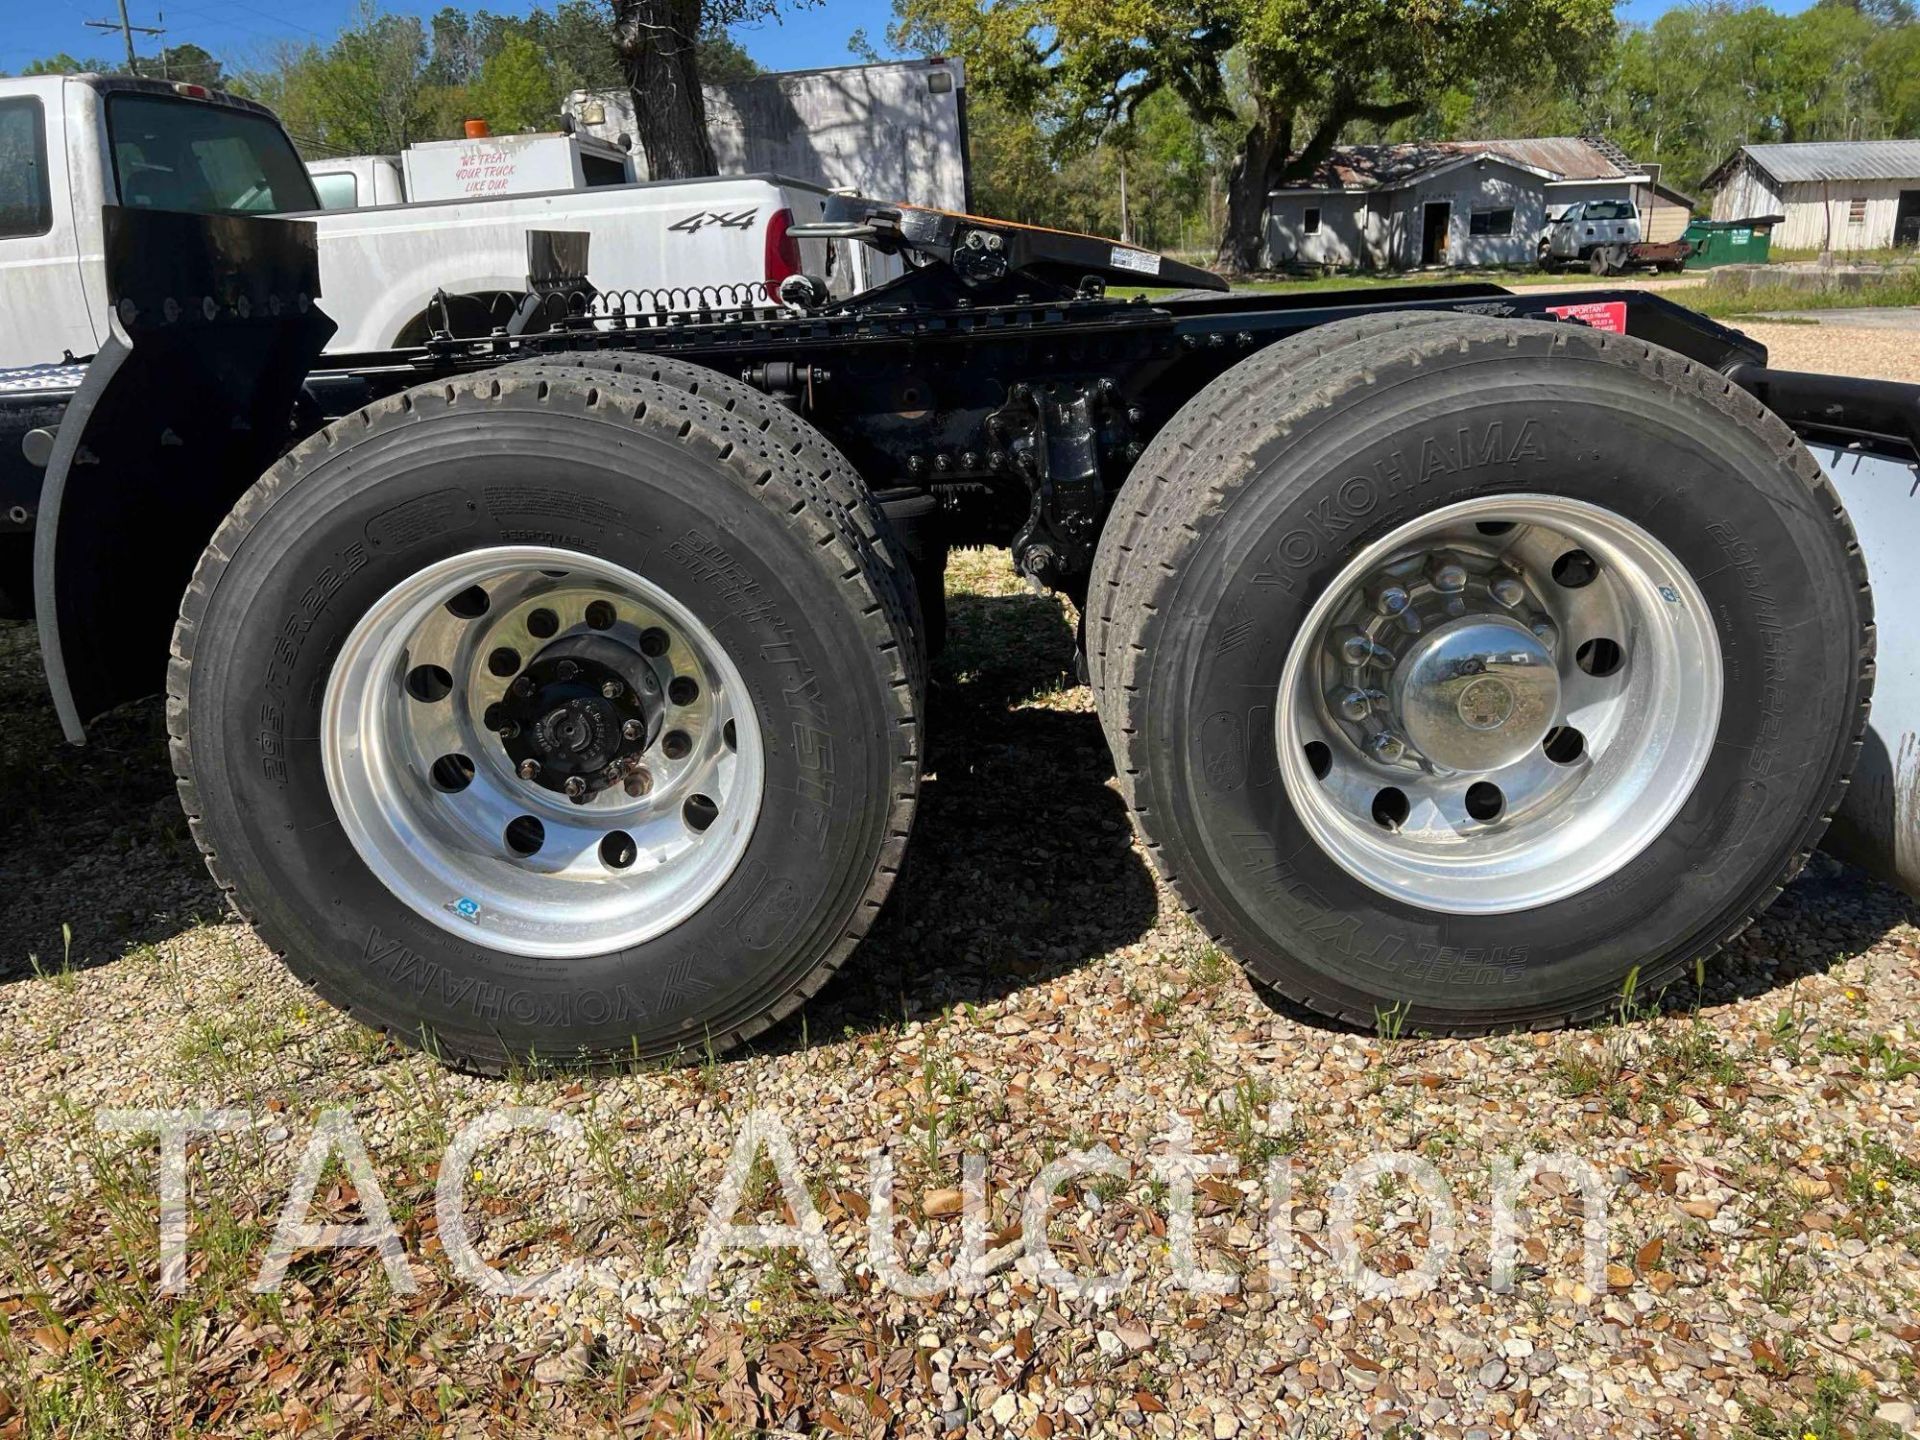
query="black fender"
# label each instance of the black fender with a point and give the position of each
(192, 396)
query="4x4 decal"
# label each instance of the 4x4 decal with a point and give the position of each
(700, 219)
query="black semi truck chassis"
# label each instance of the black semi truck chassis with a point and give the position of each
(558, 694)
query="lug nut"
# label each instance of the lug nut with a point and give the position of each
(1508, 591)
(1390, 601)
(1354, 647)
(632, 730)
(575, 787)
(566, 670)
(613, 689)
(1546, 632)
(529, 769)
(1449, 576)
(639, 781)
(507, 729)
(1353, 704)
(1386, 748)
(523, 686)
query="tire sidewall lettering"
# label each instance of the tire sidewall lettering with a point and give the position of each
(1262, 867)
(820, 734)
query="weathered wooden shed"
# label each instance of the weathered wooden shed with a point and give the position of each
(1835, 194)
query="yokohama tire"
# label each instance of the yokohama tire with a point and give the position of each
(1237, 550)
(756, 547)
(1212, 418)
(832, 478)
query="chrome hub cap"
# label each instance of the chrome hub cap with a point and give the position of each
(1476, 694)
(1499, 704)
(541, 751)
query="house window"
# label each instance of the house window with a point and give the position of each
(1857, 210)
(1310, 220)
(1491, 222)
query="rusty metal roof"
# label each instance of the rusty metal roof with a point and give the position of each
(1389, 167)
(1838, 160)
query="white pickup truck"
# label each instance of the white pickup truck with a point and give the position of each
(1604, 236)
(71, 144)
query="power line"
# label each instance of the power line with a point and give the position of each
(206, 11)
(126, 27)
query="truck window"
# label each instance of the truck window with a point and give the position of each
(602, 170)
(26, 207)
(173, 154)
(338, 191)
(1609, 210)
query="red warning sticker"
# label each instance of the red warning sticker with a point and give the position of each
(1608, 315)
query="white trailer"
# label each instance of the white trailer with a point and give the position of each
(896, 130)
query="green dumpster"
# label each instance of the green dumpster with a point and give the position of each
(1730, 242)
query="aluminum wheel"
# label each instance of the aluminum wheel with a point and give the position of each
(542, 751)
(1499, 704)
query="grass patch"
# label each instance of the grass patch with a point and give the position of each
(1889, 292)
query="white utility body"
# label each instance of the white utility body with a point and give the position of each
(70, 145)
(480, 167)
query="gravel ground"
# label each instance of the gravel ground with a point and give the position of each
(1031, 993)
(1814, 344)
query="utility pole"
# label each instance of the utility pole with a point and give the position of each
(127, 28)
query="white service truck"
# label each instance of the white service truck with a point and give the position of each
(479, 166)
(70, 144)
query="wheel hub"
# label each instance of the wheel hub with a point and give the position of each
(1477, 693)
(542, 751)
(1499, 703)
(585, 711)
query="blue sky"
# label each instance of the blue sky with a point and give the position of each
(236, 29)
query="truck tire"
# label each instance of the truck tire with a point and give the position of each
(836, 482)
(541, 719)
(1201, 425)
(1632, 687)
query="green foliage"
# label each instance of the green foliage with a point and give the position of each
(1022, 171)
(1293, 73)
(1062, 88)
(65, 64)
(515, 89)
(1702, 80)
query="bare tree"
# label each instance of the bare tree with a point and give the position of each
(659, 42)
(665, 47)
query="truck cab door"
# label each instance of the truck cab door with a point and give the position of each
(44, 307)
